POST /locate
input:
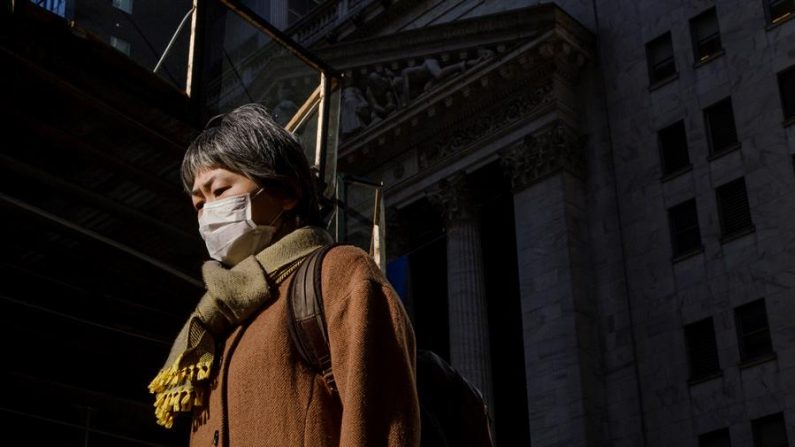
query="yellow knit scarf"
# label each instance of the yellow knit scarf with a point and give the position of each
(233, 295)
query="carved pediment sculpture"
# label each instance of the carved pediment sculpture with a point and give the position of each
(373, 93)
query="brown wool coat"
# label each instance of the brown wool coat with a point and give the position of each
(264, 394)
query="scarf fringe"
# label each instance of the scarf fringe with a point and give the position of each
(180, 386)
(174, 390)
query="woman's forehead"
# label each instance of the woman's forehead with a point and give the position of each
(205, 177)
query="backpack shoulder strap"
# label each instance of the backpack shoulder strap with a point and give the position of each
(306, 319)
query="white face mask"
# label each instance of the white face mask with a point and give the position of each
(229, 231)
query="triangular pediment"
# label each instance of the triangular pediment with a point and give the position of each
(439, 89)
(451, 74)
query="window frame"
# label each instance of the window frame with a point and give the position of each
(746, 358)
(674, 232)
(705, 437)
(706, 374)
(760, 420)
(725, 236)
(700, 59)
(671, 173)
(716, 152)
(655, 81)
(787, 109)
(772, 22)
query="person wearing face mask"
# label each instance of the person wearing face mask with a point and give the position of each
(233, 366)
(230, 232)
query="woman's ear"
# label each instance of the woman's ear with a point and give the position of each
(293, 196)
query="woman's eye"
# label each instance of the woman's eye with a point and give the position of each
(199, 206)
(219, 191)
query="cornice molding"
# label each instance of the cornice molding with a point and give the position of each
(504, 28)
(536, 102)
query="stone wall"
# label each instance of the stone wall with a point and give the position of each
(667, 295)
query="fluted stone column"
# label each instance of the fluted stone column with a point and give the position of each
(469, 330)
(558, 314)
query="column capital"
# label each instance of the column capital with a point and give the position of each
(453, 197)
(547, 151)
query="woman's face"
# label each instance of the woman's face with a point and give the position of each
(213, 184)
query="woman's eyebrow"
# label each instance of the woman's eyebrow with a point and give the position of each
(205, 185)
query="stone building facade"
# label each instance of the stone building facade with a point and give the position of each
(592, 201)
(588, 206)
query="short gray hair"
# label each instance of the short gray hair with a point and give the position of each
(248, 141)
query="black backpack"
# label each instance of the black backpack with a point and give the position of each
(452, 411)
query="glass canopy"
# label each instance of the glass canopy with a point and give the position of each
(225, 53)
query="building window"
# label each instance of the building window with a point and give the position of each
(673, 148)
(683, 221)
(702, 350)
(721, 130)
(793, 163)
(717, 438)
(124, 5)
(770, 431)
(786, 84)
(706, 35)
(779, 10)
(120, 44)
(735, 214)
(753, 332)
(54, 6)
(660, 57)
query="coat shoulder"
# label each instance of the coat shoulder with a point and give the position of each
(352, 260)
(346, 266)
